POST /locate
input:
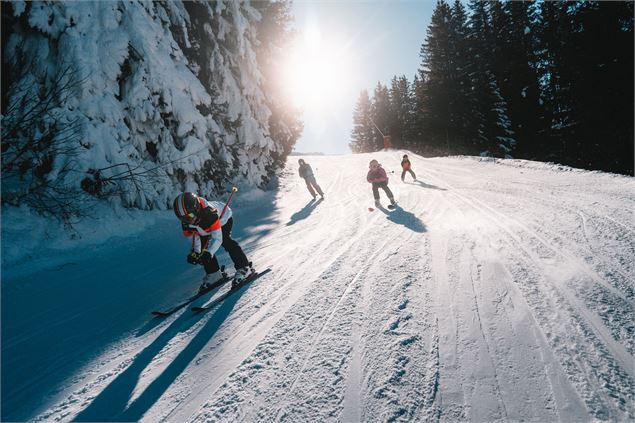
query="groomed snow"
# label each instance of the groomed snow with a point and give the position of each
(499, 290)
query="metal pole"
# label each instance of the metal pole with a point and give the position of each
(373, 122)
(234, 189)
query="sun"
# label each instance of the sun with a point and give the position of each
(316, 71)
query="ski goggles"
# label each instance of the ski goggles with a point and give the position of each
(189, 218)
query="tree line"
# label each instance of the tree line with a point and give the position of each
(547, 81)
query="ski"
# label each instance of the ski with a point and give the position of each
(252, 277)
(389, 206)
(194, 297)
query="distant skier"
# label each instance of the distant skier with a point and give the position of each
(407, 167)
(200, 219)
(377, 176)
(306, 172)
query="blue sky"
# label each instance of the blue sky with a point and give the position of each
(375, 40)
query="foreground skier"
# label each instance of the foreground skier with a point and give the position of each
(210, 224)
(377, 176)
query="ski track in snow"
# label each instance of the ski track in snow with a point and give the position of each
(496, 291)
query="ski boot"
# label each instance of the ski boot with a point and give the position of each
(241, 274)
(210, 279)
(393, 204)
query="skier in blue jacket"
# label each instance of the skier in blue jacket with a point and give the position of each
(306, 172)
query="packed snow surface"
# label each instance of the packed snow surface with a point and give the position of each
(498, 290)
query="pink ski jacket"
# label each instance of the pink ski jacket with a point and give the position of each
(377, 175)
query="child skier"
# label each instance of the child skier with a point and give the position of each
(306, 172)
(406, 166)
(202, 220)
(377, 176)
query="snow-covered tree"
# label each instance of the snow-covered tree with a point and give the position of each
(170, 89)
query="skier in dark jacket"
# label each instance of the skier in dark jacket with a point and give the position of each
(406, 166)
(377, 176)
(306, 172)
(201, 219)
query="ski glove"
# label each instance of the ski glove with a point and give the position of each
(199, 258)
(194, 258)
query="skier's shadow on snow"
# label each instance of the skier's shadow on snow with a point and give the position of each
(405, 218)
(304, 212)
(424, 185)
(113, 402)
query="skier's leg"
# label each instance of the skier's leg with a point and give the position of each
(403, 175)
(317, 187)
(376, 191)
(388, 192)
(413, 174)
(235, 252)
(210, 263)
(309, 187)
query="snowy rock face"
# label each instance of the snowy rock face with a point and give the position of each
(161, 96)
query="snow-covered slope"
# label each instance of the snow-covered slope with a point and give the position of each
(496, 291)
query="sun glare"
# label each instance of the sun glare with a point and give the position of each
(317, 70)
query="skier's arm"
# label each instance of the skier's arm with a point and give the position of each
(186, 230)
(215, 241)
(196, 243)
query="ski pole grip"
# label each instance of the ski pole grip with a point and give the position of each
(234, 190)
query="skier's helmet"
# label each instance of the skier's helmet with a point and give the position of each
(373, 163)
(186, 206)
(301, 161)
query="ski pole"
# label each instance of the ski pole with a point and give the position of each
(234, 189)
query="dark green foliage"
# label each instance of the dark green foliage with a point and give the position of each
(362, 135)
(382, 115)
(546, 81)
(402, 124)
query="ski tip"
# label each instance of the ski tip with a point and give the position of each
(197, 309)
(159, 314)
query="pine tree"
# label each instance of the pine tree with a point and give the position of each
(554, 90)
(381, 114)
(417, 114)
(363, 131)
(434, 96)
(490, 128)
(514, 61)
(400, 105)
(459, 77)
(275, 35)
(595, 69)
(603, 88)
